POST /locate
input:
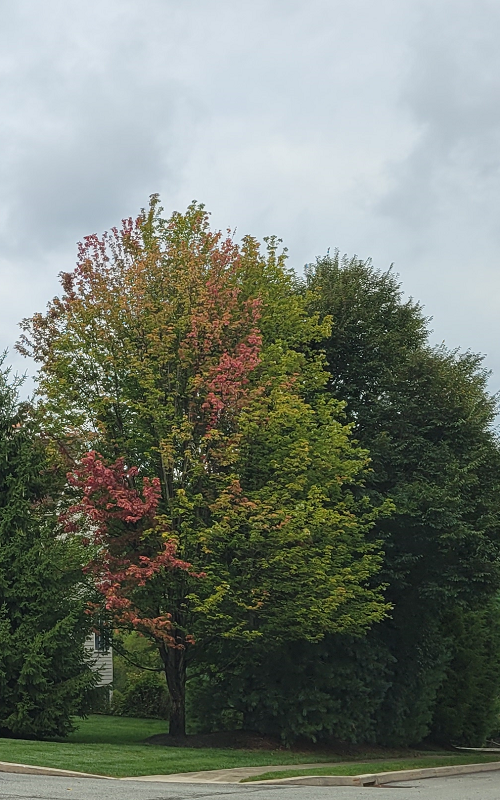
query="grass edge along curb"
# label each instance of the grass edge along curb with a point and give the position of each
(381, 778)
(31, 769)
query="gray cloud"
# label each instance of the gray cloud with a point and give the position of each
(442, 208)
(369, 126)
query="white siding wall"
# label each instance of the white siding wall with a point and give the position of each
(103, 661)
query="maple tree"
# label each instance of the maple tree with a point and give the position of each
(221, 493)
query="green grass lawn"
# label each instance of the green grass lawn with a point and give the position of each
(361, 768)
(114, 746)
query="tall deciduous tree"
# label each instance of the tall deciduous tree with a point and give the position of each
(191, 359)
(45, 678)
(427, 419)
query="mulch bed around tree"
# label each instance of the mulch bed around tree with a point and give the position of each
(237, 740)
(250, 740)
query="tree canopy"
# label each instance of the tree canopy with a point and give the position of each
(192, 361)
(277, 474)
(425, 416)
(427, 419)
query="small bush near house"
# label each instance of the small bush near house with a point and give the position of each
(100, 700)
(145, 695)
(139, 684)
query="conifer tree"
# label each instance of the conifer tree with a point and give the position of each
(45, 678)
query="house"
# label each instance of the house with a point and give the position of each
(98, 647)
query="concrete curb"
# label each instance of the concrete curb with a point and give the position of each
(369, 779)
(29, 769)
(382, 778)
(229, 775)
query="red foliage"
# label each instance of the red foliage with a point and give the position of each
(225, 343)
(119, 516)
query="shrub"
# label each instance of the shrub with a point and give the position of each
(145, 695)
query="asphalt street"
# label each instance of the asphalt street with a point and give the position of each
(482, 786)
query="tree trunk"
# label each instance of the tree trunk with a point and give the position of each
(174, 662)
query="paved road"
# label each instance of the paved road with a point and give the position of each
(482, 786)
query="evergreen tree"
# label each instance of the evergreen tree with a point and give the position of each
(468, 700)
(45, 678)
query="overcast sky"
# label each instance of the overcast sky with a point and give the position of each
(368, 125)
